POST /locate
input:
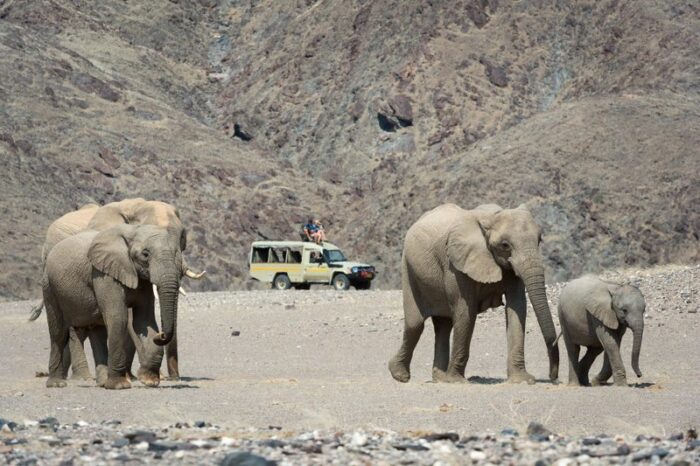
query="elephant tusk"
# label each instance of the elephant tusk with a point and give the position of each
(193, 275)
(155, 293)
(182, 291)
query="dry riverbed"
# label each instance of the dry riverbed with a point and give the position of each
(300, 377)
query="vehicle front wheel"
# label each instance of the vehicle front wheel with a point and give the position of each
(341, 282)
(281, 282)
(363, 285)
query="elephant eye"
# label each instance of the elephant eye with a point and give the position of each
(505, 245)
(145, 253)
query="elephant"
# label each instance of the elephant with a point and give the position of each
(457, 263)
(596, 313)
(129, 211)
(93, 279)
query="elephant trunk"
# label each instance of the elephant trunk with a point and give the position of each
(636, 347)
(168, 285)
(533, 277)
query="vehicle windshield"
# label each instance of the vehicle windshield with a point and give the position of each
(334, 255)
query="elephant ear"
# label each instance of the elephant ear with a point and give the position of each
(599, 304)
(109, 253)
(468, 252)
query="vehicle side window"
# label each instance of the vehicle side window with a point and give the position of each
(277, 255)
(294, 256)
(260, 255)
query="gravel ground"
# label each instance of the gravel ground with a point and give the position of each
(300, 377)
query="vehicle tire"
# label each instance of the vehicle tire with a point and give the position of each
(341, 282)
(281, 282)
(363, 285)
(302, 286)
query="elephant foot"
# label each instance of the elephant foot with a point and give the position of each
(520, 377)
(149, 378)
(54, 382)
(574, 383)
(447, 377)
(117, 383)
(621, 383)
(81, 375)
(101, 376)
(172, 377)
(131, 377)
(399, 371)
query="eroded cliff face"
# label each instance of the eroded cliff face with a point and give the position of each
(249, 117)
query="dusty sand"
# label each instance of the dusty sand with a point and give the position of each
(317, 360)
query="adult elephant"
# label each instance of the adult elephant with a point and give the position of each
(458, 263)
(92, 279)
(137, 211)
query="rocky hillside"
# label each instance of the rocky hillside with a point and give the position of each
(250, 116)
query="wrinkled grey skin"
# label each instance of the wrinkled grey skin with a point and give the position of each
(595, 314)
(135, 211)
(93, 279)
(458, 263)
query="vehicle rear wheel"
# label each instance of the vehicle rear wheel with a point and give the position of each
(341, 282)
(281, 282)
(363, 285)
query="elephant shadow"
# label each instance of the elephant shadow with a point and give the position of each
(479, 380)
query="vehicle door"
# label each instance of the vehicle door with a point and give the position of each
(315, 268)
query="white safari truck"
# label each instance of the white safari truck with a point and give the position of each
(300, 264)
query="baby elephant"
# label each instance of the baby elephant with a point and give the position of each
(103, 282)
(595, 313)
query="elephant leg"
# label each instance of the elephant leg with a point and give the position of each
(572, 352)
(516, 311)
(150, 354)
(611, 346)
(604, 374)
(58, 332)
(98, 342)
(443, 328)
(78, 361)
(130, 354)
(586, 362)
(462, 328)
(171, 358)
(111, 300)
(400, 364)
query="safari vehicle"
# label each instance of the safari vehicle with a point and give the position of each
(300, 264)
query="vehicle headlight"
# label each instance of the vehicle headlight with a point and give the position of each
(355, 269)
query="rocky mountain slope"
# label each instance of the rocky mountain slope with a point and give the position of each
(250, 116)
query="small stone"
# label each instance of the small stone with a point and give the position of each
(359, 439)
(244, 458)
(227, 442)
(140, 436)
(49, 423)
(289, 306)
(273, 443)
(678, 436)
(451, 436)
(535, 428)
(477, 455)
(235, 333)
(410, 446)
(510, 432)
(648, 453)
(120, 442)
(201, 424)
(590, 441)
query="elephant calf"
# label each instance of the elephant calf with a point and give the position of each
(596, 313)
(92, 279)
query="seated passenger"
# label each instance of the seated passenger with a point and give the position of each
(314, 231)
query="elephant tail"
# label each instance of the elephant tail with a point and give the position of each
(36, 311)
